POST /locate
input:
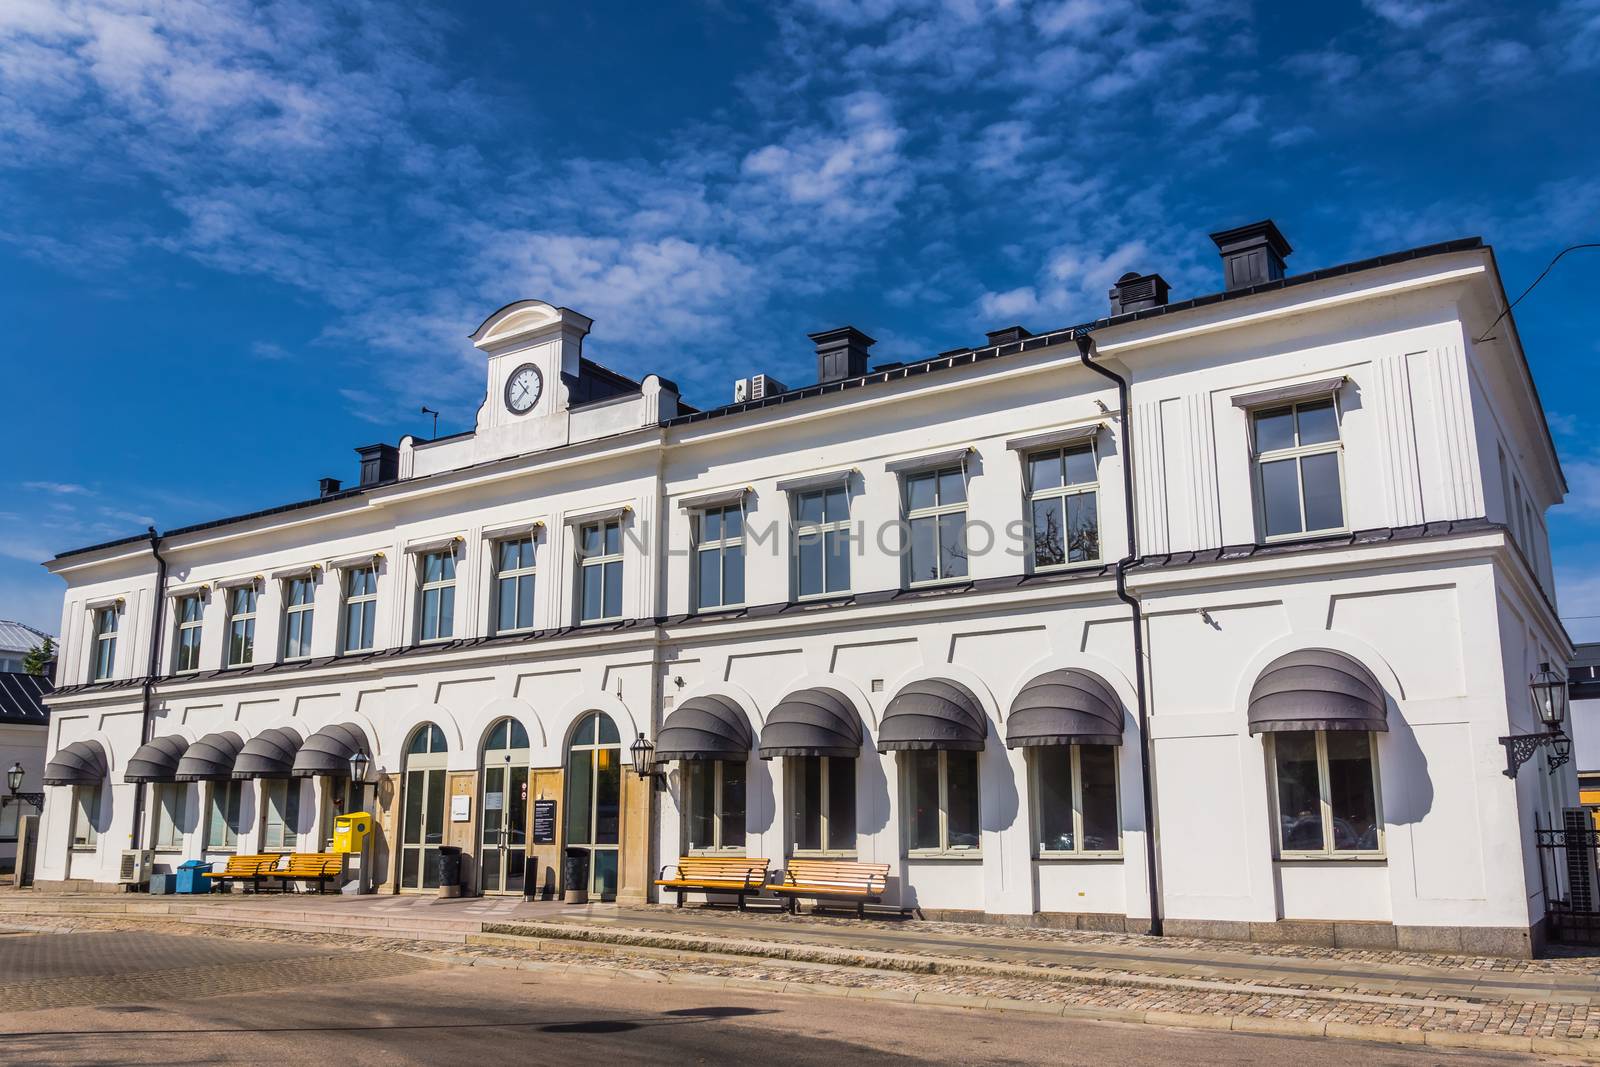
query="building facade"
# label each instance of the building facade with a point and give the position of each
(890, 617)
(24, 726)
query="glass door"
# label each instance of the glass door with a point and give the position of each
(422, 821)
(503, 838)
(594, 799)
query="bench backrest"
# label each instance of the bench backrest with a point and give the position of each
(723, 869)
(248, 866)
(312, 864)
(843, 874)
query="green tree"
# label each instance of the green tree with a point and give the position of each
(39, 658)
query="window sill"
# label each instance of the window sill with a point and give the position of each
(1303, 858)
(601, 621)
(935, 583)
(514, 631)
(965, 855)
(822, 854)
(83, 849)
(739, 852)
(710, 610)
(1078, 857)
(1076, 565)
(1306, 535)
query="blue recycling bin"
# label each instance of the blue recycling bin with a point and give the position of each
(191, 877)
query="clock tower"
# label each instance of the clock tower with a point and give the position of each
(534, 350)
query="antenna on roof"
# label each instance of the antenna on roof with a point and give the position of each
(426, 410)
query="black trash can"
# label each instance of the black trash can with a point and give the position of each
(530, 877)
(575, 876)
(449, 871)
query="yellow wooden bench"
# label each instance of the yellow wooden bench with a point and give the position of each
(715, 874)
(246, 868)
(821, 880)
(316, 867)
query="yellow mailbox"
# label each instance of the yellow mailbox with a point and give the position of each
(350, 831)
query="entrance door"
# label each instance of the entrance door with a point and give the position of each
(422, 824)
(503, 841)
(594, 799)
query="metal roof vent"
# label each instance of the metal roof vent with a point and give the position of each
(327, 486)
(1251, 254)
(1007, 336)
(1138, 292)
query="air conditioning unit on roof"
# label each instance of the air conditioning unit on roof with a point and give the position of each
(135, 866)
(757, 387)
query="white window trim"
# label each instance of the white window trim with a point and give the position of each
(253, 615)
(98, 637)
(529, 533)
(345, 602)
(1077, 853)
(933, 512)
(198, 595)
(269, 787)
(164, 790)
(1258, 459)
(719, 849)
(944, 851)
(1063, 492)
(820, 531)
(291, 609)
(447, 549)
(206, 844)
(1328, 852)
(822, 813)
(600, 560)
(721, 544)
(92, 844)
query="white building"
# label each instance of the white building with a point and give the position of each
(890, 603)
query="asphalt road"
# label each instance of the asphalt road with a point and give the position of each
(151, 998)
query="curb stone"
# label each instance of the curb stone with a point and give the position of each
(1188, 1019)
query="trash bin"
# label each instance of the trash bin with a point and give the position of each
(192, 877)
(530, 877)
(449, 871)
(575, 876)
(162, 884)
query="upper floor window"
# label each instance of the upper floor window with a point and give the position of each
(514, 577)
(105, 642)
(936, 513)
(437, 611)
(360, 607)
(1326, 789)
(1064, 505)
(822, 541)
(1299, 468)
(241, 625)
(299, 597)
(600, 570)
(719, 557)
(186, 653)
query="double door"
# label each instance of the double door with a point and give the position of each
(503, 842)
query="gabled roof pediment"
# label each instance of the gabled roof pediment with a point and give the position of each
(525, 320)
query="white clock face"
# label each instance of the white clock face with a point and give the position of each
(523, 389)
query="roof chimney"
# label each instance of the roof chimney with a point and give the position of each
(379, 464)
(841, 354)
(327, 486)
(1138, 292)
(1007, 336)
(1252, 254)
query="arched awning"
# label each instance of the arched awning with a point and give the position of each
(269, 754)
(210, 759)
(328, 751)
(933, 713)
(812, 722)
(157, 761)
(80, 763)
(1065, 707)
(1315, 689)
(705, 727)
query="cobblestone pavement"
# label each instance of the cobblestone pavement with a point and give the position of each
(1401, 1017)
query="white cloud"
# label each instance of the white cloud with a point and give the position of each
(58, 488)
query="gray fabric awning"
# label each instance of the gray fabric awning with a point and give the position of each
(328, 751)
(933, 713)
(812, 722)
(705, 727)
(1065, 707)
(1315, 689)
(80, 763)
(210, 759)
(157, 761)
(269, 754)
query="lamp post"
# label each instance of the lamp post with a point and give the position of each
(14, 778)
(359, 763)
(1549, 693)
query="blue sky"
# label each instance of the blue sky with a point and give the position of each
(237, 240)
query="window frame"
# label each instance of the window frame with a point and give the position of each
(437, 590)
(168, 817)
(721, 545)
(944, 850)
(231, 821)
(299, 617)
(1298, 452)
(103, 662)
(601, 560)
(1063, 492)
(235, 617)
(1324, 785)
(792, 775)
(716, 778)
(289, 789)
(366, 602)
(936, 511)
(83, 816)
(820, 530)
(516, 575)
(1036, 793)
(183, 627)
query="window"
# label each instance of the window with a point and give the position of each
(222, 818)
(241, 625)
(170, 803)
(822, 803)
(299, 596)
(822, 541)
(1299, 469)
(514, 574)
(941, 801)
(186, 649)
(1075, 800)
(719, 557)
(1064, 505)
(85, 810)
(360, 607)
(1326, 788)
(594, 799)
(438, 607)
(713, 805)
(105, 643)
(936, 512)
(600, 570)
(281, 829)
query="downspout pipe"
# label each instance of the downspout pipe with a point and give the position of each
(147, 719)
(1088, 353)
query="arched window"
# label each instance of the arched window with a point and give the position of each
(423, 804)
(503, 835)
(594, 798)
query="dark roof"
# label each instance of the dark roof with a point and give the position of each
(21, 699)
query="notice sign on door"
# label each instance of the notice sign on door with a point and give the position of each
(461, 809)
(544, 822)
